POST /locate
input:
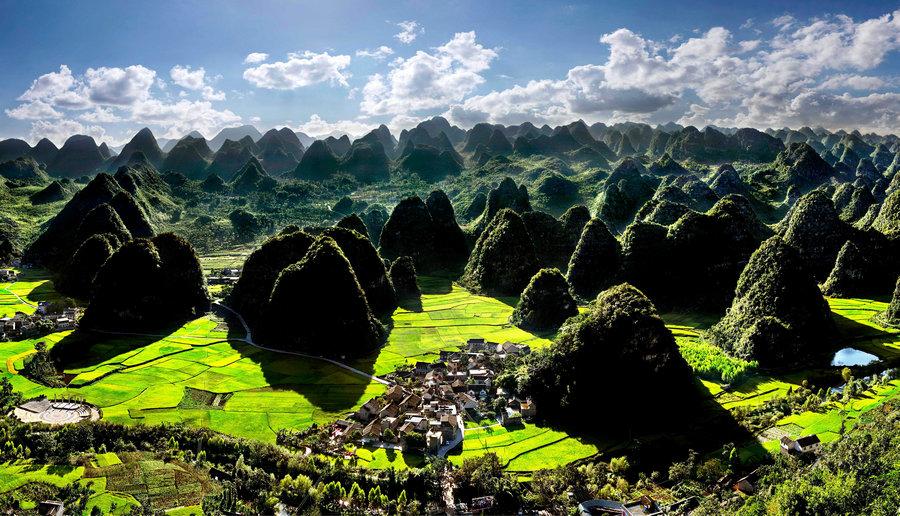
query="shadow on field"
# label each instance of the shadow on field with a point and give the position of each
(44, 292)
(82, 348)
(324, 385)
(435, 284)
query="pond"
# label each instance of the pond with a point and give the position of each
(852, 357)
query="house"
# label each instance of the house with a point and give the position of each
(433, 440)
(51, 508)
(646, 506)
(394, 394)
(526, 408)
(390, 410)
(511, 417)
(373, 429)
(510, 348)
(466, 401)
(803, 445)
(369, 409)
(7, 275)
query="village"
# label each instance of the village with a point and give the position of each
(427, 405)
(47, 318)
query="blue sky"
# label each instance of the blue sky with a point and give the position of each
(130, 64)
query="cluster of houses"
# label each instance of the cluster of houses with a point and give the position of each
(802, 446)
(43, 321)
(8, 276)
(431, 399)
(224, 277)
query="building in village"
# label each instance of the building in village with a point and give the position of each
(8, 275)
(431, 399)
(224, 277)
(41, 322)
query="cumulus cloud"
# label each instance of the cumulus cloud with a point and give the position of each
(255, 57)
(379, 54)
(34, 110)
(119, 86)
(111, 95)
(58, 131)
(316, 126)
(192, 79)
(429, 80)
(853, 82)
(300, 70)
(409, 31)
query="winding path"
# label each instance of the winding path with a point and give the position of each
(8, 289)
(249, 340)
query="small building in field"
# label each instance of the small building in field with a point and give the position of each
(51, 508)
(801, 446)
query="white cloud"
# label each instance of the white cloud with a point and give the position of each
(748, 23)
(34, 110)
(58, 131)
(316, 126)
(429, 80)
(783, 22)
(300, 70)
(119, 86)
(379, 54)
(410, 30)
(185, 77)
(192, 79)
(749, 45)
(100, 115)
(255, 57)
(116, 95)
(184, 116)
(853, 82)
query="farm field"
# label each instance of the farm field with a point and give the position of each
(197, 376)
(23, 295)
(449, 316)
(118, 484)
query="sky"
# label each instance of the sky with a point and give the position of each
(107, 69)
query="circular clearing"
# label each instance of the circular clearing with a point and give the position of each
(55, 412)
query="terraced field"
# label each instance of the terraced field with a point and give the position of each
(117, 483)
(525, 448)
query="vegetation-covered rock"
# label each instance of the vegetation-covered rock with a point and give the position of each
(366, 161)
(545, 303)
(190, 156)
(147, 284)
(429, 163)
(503, 260)
(368, 267)
(557, 191)
(623, 334)
(78, 156)
(375, 218)
(355, 223)
(888, 219)
(24, 171)
(318, 306)
(403, 276)
(778, 316)
(801, 166)
(622, 195)
(252, 178)
(53, 192)
(852, 273)
(449, 239)
(815, 230)
(506, 195)
(77, 277)
(261, 269)
(475, 207)
(893, 312)
(317, 164)
(595, 263)
(213, 184)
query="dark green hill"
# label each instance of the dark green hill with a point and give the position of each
(318, 306)
(623, 332)
(545, 303)
(595, 264)
(78, 156)
(24, 171)
(368, 267)
(44, 151)
(429, 163)
(778, 315)
(190, 156)
(503, 260)
(143, 142)
(252, 177)
(318, 163)
(148, 284)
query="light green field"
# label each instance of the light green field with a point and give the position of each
(526, 448)
(142, 380)
(24, 294)
(450, 315)
(14, 475)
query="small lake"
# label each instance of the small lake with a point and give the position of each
(852, 357)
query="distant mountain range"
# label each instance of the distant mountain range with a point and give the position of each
(435, 148)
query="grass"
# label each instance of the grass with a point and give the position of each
(144, 380)
(14, 475)
(526, 448)
(450, 315)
